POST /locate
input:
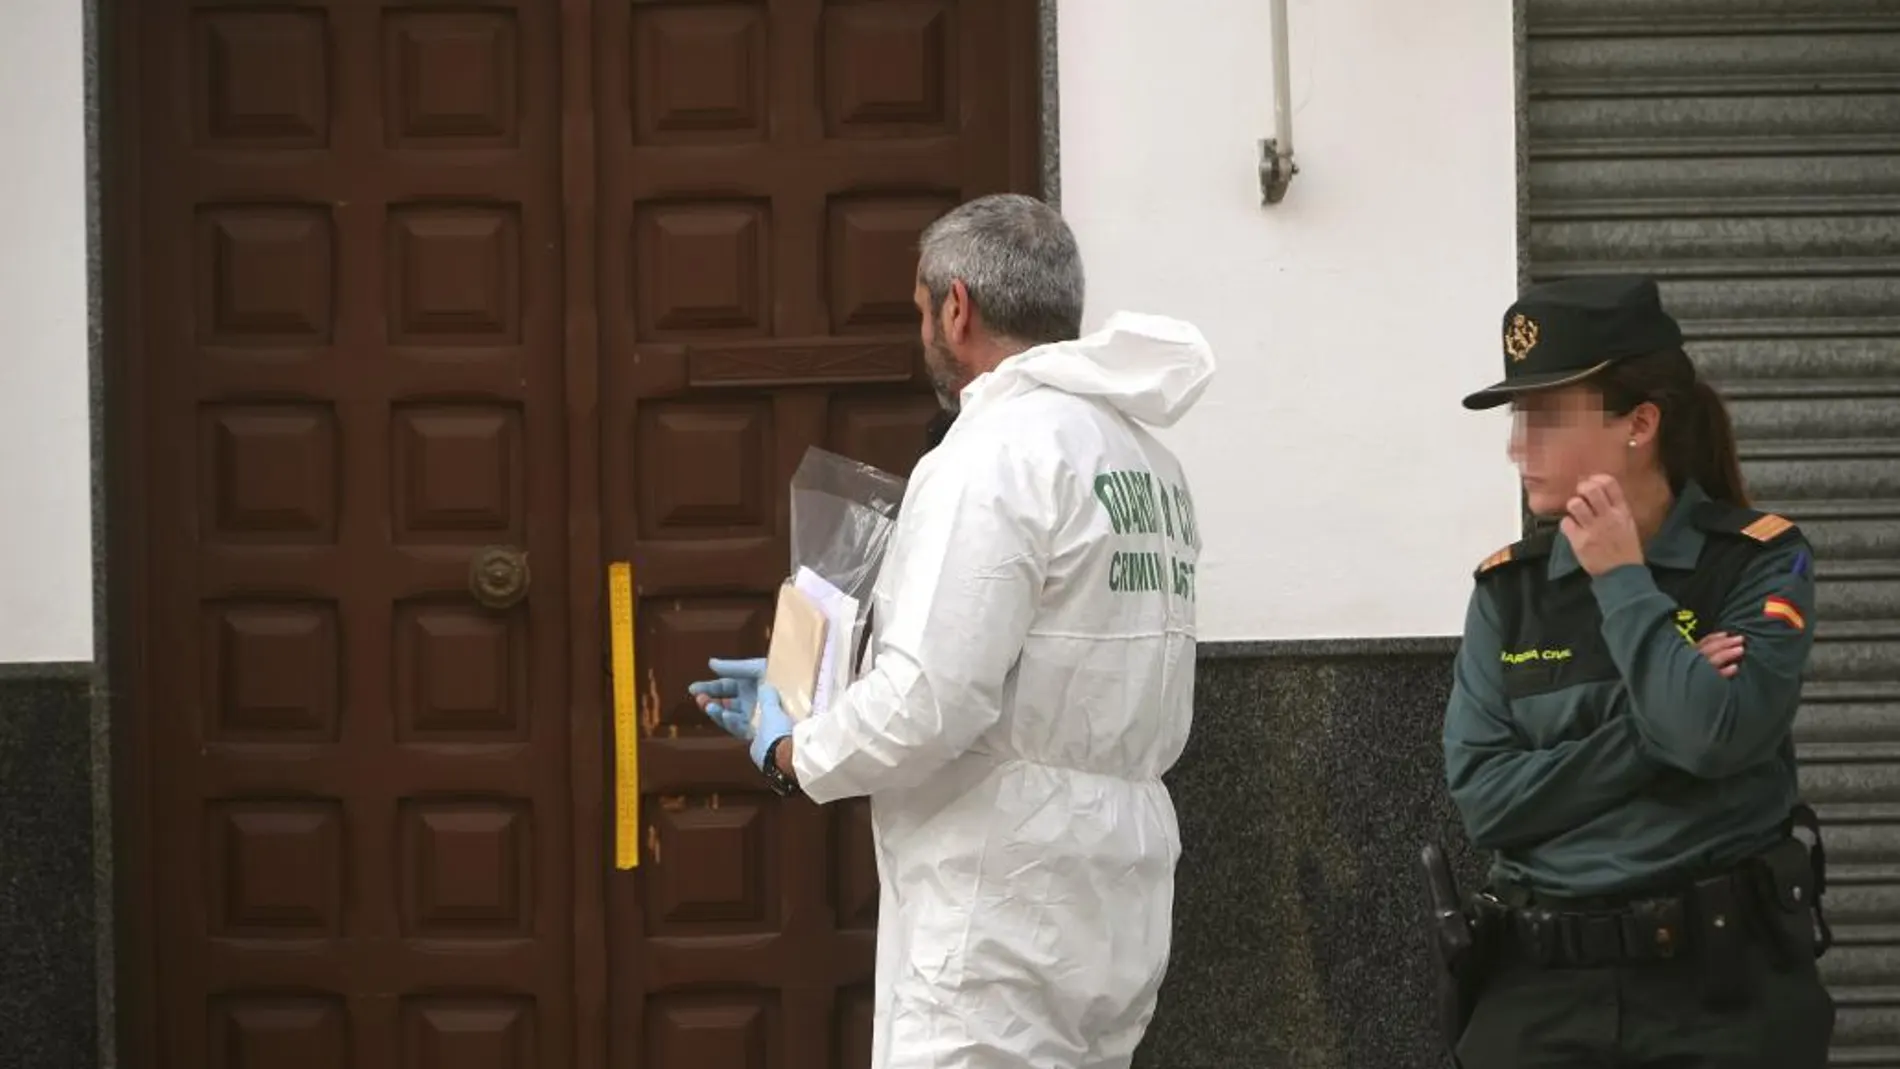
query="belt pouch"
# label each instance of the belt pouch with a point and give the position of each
(1785, 885)
(1654, 929)
(1719, 919)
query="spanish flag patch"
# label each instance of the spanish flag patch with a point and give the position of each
(1782, 609)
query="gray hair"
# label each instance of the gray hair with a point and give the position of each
(1017, 258)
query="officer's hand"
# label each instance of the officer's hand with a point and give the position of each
(1722, 650)
(774, 723)
(1600, 527)
(729, 699)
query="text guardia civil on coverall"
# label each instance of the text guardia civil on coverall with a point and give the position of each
(1033, 677)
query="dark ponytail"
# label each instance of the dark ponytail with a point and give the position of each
(1705, 451)
(1697, 440)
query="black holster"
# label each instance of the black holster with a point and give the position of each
(1461, 942)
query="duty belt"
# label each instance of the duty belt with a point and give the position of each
(1769, 903)
(1639, 930)
(1769, 896)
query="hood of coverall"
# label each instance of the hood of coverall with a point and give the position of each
(1150, 368)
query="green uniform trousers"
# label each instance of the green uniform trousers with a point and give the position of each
(1648, 1016)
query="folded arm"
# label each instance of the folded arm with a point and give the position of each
(1690, 716)
(1508, 794)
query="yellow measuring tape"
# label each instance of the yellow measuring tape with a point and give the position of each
(626, 719)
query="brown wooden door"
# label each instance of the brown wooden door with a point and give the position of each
(770, 168)
(352, 320)
(580, 280)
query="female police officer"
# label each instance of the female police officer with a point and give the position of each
(1619, 726)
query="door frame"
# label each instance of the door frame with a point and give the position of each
(128, 1022)
(126, 523)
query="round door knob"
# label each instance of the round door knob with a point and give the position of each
(498, 577)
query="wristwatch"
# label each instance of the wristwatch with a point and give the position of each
(782, 785)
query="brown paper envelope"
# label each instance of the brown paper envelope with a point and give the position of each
(796, 653)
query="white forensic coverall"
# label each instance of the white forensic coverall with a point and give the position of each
(1032, 678)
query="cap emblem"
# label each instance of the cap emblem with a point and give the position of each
(1521, 337)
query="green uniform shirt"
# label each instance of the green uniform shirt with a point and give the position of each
(1607, 754)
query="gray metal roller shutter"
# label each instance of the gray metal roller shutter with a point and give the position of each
(1747, 153)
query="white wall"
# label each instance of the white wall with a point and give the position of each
(1340, 488)
(45, 471)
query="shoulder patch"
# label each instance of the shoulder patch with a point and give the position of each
(1768, 528)
(1780, 608)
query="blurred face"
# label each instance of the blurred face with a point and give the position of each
(1560, 437)
(946, 335)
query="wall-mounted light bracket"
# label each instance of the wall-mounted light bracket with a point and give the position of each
(1276, 171)
(1276, 153)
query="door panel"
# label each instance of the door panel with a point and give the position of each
(376, 246)
(352, 320)
(766, 169)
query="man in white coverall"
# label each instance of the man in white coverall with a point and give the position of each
(1032, 673)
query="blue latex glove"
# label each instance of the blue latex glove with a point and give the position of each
(732, 694)
(774, 724)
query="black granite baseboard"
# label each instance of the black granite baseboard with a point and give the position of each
(48, 1002)
(1312, 777)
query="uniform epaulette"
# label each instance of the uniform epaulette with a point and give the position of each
(1532, 548)
(1502, 556)
(1720, 517)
